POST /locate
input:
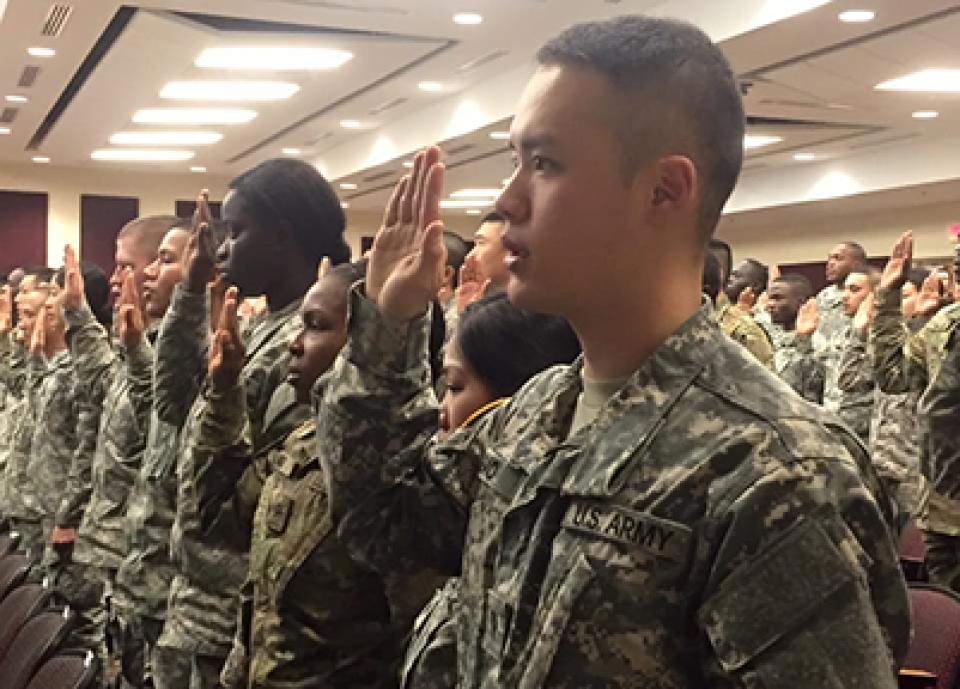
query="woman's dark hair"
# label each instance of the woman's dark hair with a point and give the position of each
(506, 346)
(96, 288)
(293, 194)
(349, 273)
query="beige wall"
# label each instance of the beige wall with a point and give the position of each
(360, 223)
(65, 186)
(805, 239)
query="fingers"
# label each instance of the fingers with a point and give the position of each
(128, 291)
(228, 313)
(406, 201)
(433, 191)
(323, 268)
(203, 206)
(205, 241)
(392, 213)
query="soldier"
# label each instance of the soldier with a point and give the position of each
(702, 526)
(844, 258)
(906, 362)
(749, 276)
(939, 420)
(281, 218)
(111, 429)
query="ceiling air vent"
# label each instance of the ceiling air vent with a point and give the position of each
(480, 61)
(8, 115)
(383, 107)
(56, 19)
(28, 76)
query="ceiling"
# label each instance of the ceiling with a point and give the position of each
(809, 79)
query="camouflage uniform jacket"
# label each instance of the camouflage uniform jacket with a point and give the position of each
(906, 362)
(709, 529)
(795, 362)
(832, 316)
(940, 421)
(115, 426)
(310, 615)
(144, 579)
(210, 552)
(22, 500)
(54, 439)
(858, 391)
(12, 376)
(743, 330)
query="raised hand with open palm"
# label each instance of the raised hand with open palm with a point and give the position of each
(227, 353)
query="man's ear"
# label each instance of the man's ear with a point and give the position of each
(676, 183)
(448, 274)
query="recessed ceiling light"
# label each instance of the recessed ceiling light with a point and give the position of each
(350, 124)
(475, 194)
(37, 51)
(500, 136)
(473, 211)
(349, 186)
(40, 159)
(430, 86)
(154, 155)
(467, 18)
(16, 99)
(4, 130)
(194, 116)
(465, 203)
(506, 180)
(408, 164)
(273, 58)
(752, 141)
(857, 16)
(925, 114)
(198, 168)
(229, 90)
(344, 204)
(165, 138)
(804, 157)
(925, 81)
(291, 151)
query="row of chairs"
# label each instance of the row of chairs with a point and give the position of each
(34, 630)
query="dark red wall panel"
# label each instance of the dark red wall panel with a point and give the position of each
(184, 209)
(23, 229)
(101, 218)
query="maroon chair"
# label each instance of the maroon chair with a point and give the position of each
(13, 570)
(36, 641)
(66, 670)
(8, 543)
(23, 603)
(936, 634)
(913, 553)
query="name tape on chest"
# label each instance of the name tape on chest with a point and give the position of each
(657, 536)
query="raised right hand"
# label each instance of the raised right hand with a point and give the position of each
(73, 295)
(130, 325)
(6, 310)
(408, 255)
(898, 265)
(200, 257)
(808, 318)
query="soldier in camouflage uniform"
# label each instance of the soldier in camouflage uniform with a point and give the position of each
(906, 362)
(210, 550)
(111, 428)
(739, 326)
(939, 420)
(705, 527)
(843, 259)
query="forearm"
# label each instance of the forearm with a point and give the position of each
(79, 477)
(894, 370)
(181, 352)
(92, 352)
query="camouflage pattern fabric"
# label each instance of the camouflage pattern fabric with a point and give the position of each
(743, 330)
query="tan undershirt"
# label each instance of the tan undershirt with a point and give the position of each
(594, 395)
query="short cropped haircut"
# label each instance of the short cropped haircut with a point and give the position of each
(506, 345)
(859, 254)
(294, 195)
(493, 216)
(761, 274)
(148, 232)
(798, 283)
(916, 276)
(457, 250)
(668, 71)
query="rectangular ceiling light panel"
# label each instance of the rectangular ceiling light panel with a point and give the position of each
(184, 138)
(194, 116)
(141, 156)
(925, 81)
(203, 90)
(273, 58)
